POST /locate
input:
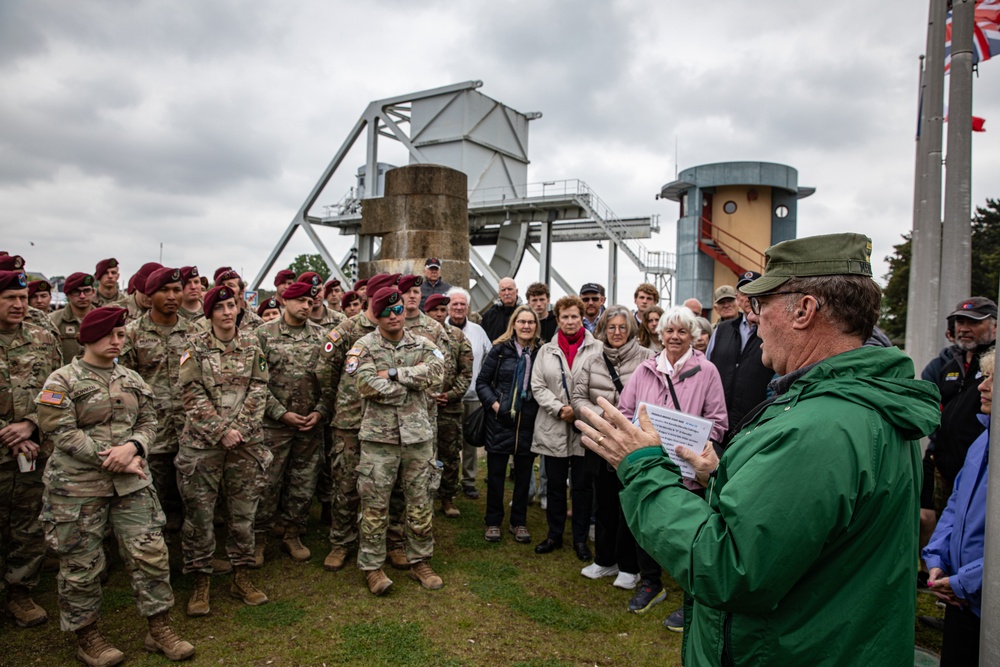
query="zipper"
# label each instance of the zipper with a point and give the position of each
(727, 641)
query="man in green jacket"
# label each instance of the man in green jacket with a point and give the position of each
(803, 551)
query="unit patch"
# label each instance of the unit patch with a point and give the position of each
(261, 362)
(328, 347)
(437, 353)
(351, 365)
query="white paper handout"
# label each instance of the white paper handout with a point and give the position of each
(676, 428)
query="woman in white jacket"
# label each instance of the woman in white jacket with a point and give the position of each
(555, 437)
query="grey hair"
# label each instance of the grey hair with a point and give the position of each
(458, 290)
(987, 359)
(632, 327)
(678, 315)
(704, 325)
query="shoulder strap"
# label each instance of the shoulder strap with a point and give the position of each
(613, 372)
(562, 372)
(673, 394)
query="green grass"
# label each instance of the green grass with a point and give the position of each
(502, 604)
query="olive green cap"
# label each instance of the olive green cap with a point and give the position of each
(826, 255)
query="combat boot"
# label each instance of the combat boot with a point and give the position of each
(260, 543)
(26, 613)
(378, 583)
(293, 545)
(161, 638)
(336, 559)
(449, 509)
(198, 602)
(94, 650)
(397, 557)
(423, 573)
(243, 589)
(221, 566)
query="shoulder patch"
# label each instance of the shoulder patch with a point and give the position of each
(328, 347)
(437, 353)
(261, 362)
(354, 351)
(70, 329)
(334, 337)
(351, 365)
(185, 356)
(51, 397)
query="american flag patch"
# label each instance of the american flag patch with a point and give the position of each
(51, 397)
(185, 356)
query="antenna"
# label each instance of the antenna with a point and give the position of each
(677, 158)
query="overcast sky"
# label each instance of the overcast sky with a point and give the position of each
(204, 125)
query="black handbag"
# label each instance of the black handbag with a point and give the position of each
(474, 428)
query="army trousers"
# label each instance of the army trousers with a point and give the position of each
(74, 530)
(202, 474)
(324, 483)
(291, 477)
(378, 468)
(20, 503)
(449, 453)
(164, 474)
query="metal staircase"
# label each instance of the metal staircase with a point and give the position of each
(720, 245)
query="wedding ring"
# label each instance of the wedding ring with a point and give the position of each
(600, 440)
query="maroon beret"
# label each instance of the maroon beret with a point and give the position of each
(283, 275)
(12, 280)
(268, 304)
(300, 289)
(358, 284)
(311, 278)
(223, 276)
(189, 272)
(160, 278)
(214, 295)
(348, 298)
(329, 287)
(219, 271)
(435, 300)
(138, 281)
(103, 266)
(36, 286)
(385, 297)
(11, 263)
(380, 280)
(406, 282)
(99, 322)
(77, 280)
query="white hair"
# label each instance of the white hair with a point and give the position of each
(678, 315)
(458, 290)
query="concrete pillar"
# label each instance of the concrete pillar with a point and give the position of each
(424, 213)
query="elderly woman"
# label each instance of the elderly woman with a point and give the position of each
(680, 378)
(605, 374)
(703, 336)
(504, 388)
(954, 554)
(555, 437)
(648, 336)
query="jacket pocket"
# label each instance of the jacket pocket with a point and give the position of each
(61, 524)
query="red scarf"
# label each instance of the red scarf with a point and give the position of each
(570, 344)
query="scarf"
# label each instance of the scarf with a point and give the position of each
(570, 344)
(520, 389)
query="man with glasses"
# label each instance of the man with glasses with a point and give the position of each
(592, 295)
(807, 539)
(79, 291)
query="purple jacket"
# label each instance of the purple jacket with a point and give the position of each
(700, 393)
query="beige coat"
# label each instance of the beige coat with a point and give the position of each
(553, 436)
(594, 380)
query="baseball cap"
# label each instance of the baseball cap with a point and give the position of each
(726, 292)
(976, 308)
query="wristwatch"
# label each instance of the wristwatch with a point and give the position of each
(138, 447)
(393, 374)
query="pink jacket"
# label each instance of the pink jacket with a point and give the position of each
(700, 393)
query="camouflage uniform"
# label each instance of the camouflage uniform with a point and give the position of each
(25, 362)
(191, 315)
(324, 484)
(83, 411)
(292, 355)
(249, 321)
(135, 311)
(68, 326)
(457, 378)
(329, 319)
(119, 300)
(41, 319)
(224, 387)
(154, 352)
(396, 439)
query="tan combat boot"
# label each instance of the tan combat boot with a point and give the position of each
(378, 583)
(397, 557)
(259, 544)
(293, 545)
(198, 602)
(94, 650)
(423, 573)
(26, 613)
(449, 509)
(243, 589)
(336, 559)
(221, 566)
(161, 638)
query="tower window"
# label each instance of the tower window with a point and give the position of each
(729, 207)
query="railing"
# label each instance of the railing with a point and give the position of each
(742, 256)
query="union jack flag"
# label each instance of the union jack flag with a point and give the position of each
(986, 38)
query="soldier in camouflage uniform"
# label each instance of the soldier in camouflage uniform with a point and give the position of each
(79, 290)
(40, 296)
(457, 378)
(137, 302)
(332, 292)
(154, 344)
(247, 320)
(98, 417)
(320, 314)
(28, 354)
(224, 377)
(293, 420)
(393, 370)
(106, 274)
(37, 316)
(193, 294)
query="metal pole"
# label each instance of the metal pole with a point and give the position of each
(956, 233)
(612, 291)
(989, 638)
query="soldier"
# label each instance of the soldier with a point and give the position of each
(28, 354)
(40, 317)
(282, 280)
(361, 286)
(394, 370)
(79, 290)
(327, 318)
(106, 274)
(457, 378)
(223, 376)
(350, 304)
(269, 309)
(332, 293)
(193, 294)
(99, 418)
(40, 295)
(340, 398)
(153, 347)
(138, 302)
(292, 420)
(246, 320)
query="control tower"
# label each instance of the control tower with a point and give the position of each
(730, 213)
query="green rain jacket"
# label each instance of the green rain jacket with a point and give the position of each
(804, 551)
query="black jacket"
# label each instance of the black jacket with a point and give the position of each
(505, 435)
(959, 406)
(495, 320)
(744, 375)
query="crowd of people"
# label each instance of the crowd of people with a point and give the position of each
(175, 407)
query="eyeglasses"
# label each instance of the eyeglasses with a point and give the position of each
(622, 328)
(395, 310)
(755, 300)
(590, 299)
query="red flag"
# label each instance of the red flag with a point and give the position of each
(978, 124)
